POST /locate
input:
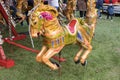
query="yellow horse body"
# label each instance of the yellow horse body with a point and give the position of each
(43, 20)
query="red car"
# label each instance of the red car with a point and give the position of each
(113, 1)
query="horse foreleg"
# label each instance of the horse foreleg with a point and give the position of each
(77, 56)
(71, 16)
(68, 17)
(22, 16)
(40, 54)
(85, 54)
(51, 52)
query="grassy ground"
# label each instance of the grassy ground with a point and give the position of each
(103, 62)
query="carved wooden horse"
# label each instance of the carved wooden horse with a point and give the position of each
(70, 9)
(43, 21)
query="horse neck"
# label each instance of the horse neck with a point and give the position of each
(52, 26)
(91, 16)
(91, 19)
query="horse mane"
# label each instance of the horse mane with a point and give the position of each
(48, 8)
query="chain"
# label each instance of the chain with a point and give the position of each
(61, 16)
(9, 18)
(5, 8)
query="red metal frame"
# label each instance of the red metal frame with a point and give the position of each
(7, 63)
(31, 50)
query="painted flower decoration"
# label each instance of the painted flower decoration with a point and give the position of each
(46, 15)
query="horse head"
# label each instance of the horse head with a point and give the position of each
(39, 17)
(91, 14)
(91, 4)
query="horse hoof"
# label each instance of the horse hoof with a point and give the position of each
(57, 66)
(84, 64)
(77, 62)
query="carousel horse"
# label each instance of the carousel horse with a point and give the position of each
(43, 21)
(70, 8)
(23, 6)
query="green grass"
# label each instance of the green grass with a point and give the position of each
(103, 62)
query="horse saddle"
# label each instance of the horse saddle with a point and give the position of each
(71, 27)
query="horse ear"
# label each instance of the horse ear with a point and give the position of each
(54, 12)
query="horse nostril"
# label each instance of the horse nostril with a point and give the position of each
(35, 23)
(38, 34)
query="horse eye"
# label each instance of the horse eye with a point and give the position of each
(40, 16)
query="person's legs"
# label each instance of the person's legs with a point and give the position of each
(84, 14)
(111, 15)
(99, 14)
(21, 23)
(107, 16)
(14, 11)
(27, 18)
(81, 13)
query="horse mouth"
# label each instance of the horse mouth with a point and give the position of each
(34, 35)
(38, 34)
(34, 32)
